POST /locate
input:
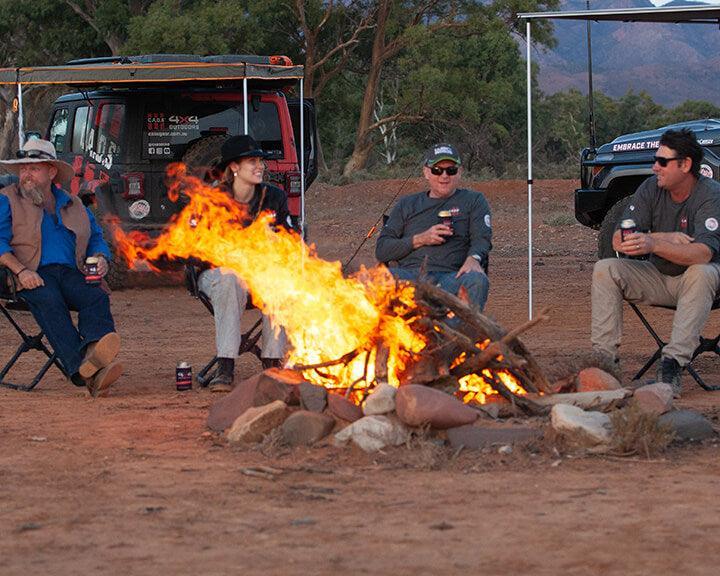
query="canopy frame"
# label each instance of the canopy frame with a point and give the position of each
(665, 14)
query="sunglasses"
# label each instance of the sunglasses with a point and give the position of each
(664, 161)
(449, 170)
(34, 154)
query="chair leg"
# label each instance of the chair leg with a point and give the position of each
(248, 343)
(660, 343)
(30, 343)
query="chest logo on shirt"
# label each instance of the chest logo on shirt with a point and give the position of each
(711, 224)
(632, 207)
(706, 170)
(487, 220)
(455, 211)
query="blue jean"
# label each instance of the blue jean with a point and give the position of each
(64, 290)
(476, 283)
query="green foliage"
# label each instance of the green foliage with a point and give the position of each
(205, 27)
(44, 32)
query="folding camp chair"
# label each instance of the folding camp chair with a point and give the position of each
(706, 345)
(248, 341)
(9, 304)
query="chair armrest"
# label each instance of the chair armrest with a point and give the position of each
(8, 284)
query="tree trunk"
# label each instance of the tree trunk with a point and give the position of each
(380, 53)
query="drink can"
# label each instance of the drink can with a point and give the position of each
(627, 227)
(92, 276)
(183, 377)
(445, 217)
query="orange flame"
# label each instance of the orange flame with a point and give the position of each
(326, 316)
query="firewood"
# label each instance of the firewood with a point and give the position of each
(481, 328)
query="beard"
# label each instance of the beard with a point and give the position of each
(32, 193)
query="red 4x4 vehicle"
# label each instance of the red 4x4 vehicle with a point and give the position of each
(121, 138)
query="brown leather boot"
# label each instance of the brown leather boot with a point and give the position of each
(100, 354)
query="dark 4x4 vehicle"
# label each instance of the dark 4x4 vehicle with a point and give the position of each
(121, 138)
(610, 175)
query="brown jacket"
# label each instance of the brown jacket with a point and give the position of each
(26, 221)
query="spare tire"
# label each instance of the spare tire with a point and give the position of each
(608, 226)
(202, 157)
(117, 276)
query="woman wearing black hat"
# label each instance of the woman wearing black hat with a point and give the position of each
(243, 166)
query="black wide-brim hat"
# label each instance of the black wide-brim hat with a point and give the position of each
(237, 147)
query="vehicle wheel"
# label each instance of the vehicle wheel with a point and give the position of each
(202, 156)
(607, 228)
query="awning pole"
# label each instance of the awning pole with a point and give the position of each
(530, 174)
(302, 158)
(245, 106)
(21, 124)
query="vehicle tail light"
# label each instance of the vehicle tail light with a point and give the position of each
(293, 184)
(134, 185)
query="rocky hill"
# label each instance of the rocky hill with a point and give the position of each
(671, 62)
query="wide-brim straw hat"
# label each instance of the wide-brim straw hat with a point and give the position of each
(37, 151)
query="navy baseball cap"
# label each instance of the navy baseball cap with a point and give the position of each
(440, 152)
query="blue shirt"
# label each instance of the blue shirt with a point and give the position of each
(57, 242)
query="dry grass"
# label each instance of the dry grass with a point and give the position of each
(637, 432)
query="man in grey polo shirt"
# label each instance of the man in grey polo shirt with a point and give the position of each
(680, 210)
(444, 230)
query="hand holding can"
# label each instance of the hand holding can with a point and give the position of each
(92, 271)
(446, 219)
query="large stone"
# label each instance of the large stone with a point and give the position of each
(257, 421)
(688, 425)
(278, 384)
(303, 428)
(418, 405)
(580, 427)
(381, 401)
(654, 398)
(313, 397)
(599, 400)
(373, 433)
(594, 379)
(261, 389)
(342, 408)
(475, 437)
(226, 410)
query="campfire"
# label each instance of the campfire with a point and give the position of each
(347, 334)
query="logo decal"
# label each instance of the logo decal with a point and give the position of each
(139, 210)
(711, 224)
(706, 170)
(487, 220)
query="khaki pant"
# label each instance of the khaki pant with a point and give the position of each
(638, 281)
(228, 295)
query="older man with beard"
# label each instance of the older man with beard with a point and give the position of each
(45, 237)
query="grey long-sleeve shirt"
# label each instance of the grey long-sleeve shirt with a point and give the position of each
(416, 213)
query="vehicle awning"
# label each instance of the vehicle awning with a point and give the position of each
(664, 14)
(134, 73)
(668, 14)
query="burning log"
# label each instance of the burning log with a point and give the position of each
(479, 327)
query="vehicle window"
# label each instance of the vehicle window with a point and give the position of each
(58, 129)
(80, 129)
(110, 121)
(171, 126)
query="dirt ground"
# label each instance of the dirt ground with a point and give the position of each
(132, 483)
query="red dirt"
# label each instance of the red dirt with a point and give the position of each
(132, 484)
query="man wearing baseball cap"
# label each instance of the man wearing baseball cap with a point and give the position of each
(45, 237)
(444, 231)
